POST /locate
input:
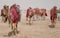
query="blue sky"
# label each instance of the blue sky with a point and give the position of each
(48, 4)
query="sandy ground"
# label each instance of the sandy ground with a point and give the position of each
(38, 29)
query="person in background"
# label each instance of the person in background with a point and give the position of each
(36, 14)
(29, 15)
(43, 14)
(53, 16)
(4, 12)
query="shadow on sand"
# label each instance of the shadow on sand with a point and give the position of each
(12, 33)
(52, 26)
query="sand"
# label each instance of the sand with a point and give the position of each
(38, 29)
